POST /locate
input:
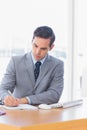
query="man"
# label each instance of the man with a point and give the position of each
(19, 85)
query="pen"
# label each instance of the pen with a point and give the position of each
(10, 93)
(14, 99)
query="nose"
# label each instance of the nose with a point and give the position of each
(38, 51)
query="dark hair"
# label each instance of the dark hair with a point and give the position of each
(44, 32)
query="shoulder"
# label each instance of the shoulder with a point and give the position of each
(56, 65)
(55, 60)
(19, 58)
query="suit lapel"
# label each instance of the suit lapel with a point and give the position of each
(30, 68)
(44, 70)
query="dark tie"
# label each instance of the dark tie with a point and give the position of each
(37, 69)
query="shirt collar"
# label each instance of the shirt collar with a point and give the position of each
(34, 61)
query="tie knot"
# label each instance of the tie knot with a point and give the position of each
(37, 64)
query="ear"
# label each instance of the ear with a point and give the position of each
(51, 47)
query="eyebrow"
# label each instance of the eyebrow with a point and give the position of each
(43, 48)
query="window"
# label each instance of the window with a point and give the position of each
(80, 45)
(19, 18)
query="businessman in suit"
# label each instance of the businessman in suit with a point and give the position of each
(20, 80)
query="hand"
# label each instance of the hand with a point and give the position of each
(11, 101)
(23, 101)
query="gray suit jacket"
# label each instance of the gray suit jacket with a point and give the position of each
(19, 79)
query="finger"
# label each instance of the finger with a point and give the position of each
(11, 101)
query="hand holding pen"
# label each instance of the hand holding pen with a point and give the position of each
(11, 101)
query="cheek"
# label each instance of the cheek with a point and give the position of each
(44, 53)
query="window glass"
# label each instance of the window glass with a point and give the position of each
(19, 18)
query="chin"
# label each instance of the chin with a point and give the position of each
(37, 59)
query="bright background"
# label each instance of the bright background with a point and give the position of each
(19, 18)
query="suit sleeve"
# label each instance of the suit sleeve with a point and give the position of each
(8, 81)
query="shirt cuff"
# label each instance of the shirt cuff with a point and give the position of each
(29, 101)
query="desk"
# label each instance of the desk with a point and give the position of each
(73, 118)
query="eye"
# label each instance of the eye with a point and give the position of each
(43, 48)
(35, 45)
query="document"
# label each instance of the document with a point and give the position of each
(21, 107)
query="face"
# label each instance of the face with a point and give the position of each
(40, 47)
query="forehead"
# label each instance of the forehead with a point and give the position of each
(42, 42)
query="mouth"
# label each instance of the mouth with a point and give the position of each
(37, 57)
